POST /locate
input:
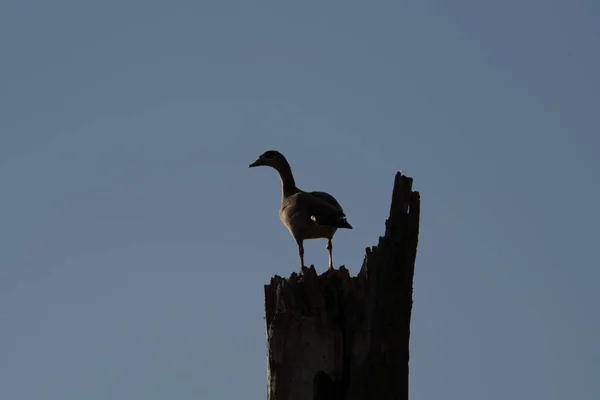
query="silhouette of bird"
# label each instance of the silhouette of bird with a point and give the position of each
(307, 215)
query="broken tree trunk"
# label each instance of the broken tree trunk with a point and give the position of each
(337, 337)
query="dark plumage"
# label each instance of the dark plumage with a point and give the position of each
(307, 215)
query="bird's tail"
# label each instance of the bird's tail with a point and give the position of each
(343, 223)
(337, 221)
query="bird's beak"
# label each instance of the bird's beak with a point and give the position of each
(256, 163)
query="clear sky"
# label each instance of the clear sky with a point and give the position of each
(135, 242)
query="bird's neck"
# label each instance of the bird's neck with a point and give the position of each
(288, 184)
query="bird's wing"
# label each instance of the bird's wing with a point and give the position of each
(321, 209)
(327, 198)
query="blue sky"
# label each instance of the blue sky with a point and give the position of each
(135, 242)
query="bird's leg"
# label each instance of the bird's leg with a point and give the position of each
(301, 254)
(329, 247)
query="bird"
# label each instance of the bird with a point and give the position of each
(307, 215)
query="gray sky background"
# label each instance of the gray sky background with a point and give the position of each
(135, 242)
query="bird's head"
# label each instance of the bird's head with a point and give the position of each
(270, 158)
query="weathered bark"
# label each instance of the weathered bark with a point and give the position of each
(347, 338)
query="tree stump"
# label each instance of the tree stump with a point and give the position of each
(338, 337)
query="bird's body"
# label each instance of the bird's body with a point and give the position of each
(307, 215)
(297, 215)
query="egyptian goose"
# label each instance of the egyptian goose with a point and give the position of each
(307, 215)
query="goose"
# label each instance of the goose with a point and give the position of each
(307, 215)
